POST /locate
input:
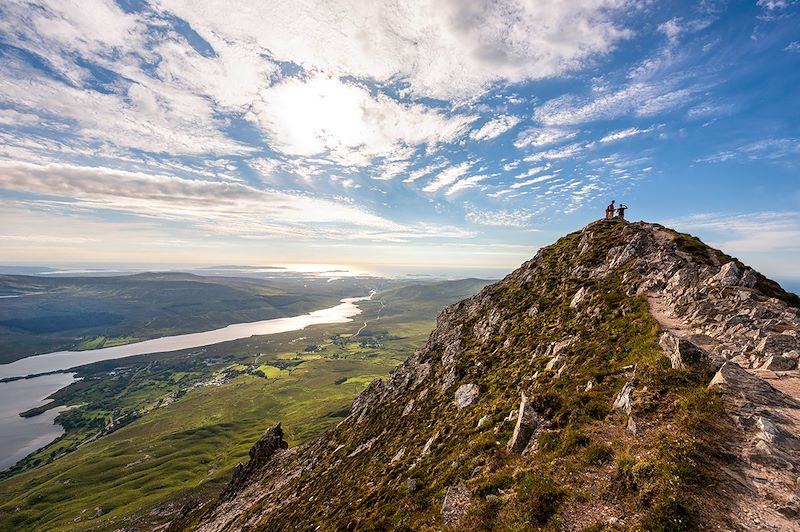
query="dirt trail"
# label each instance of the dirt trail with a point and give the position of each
(765, 487)
(668, 322)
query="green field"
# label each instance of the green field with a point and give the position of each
(171, 451)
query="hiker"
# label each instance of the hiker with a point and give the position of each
(621, 211)
(610, 210)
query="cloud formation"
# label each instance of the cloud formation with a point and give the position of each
(442, 49)
(344, 122)
(217, 207)
(495, 127)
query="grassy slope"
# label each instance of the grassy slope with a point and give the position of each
(198, 438)
(587, 461)
(211, 429)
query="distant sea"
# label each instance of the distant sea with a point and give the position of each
(790, 285)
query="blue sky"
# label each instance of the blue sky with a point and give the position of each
(414, 134)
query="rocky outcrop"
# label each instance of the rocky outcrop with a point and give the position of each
(260, 453)
(623, 402)
(768, 444)
(720, 301)
(527, 424)
(683, 353)
(466, 395)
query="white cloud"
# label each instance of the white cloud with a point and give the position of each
(774, 5)
(446, 177)
(422, 172)
(710, 110)
(558, 153)
(637, 99)
(232, 77)
(537, 137)
(672, 29)
(443, 48)
(501, 218)
(774, 149)
(150, 115)
(495, 127)
(532, 171)
(463, 184)
(10, 117)
(390, 170)
(219, 208)
(624, 134)
(793, 46)
(540, 179)
(264, 167)
(343, 121)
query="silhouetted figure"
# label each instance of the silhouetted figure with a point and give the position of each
(610, 211)
(621, 211)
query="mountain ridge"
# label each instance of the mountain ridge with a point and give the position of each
(586, 390)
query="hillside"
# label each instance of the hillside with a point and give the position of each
(628, 377)
(173, 425)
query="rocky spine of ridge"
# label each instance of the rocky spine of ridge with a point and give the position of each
(627, 377)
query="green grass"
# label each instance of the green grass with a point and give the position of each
(196, 439)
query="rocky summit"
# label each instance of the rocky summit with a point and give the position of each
(628, 377)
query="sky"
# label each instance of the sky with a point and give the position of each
(388, 134)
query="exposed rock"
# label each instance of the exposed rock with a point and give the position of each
(579, 296)
(483, 421)
(411, 485)
(365, 399)
(483, 328)
(399, 456)
(270, 443)
(682, 279)
(554, 362)
(466, 395)
(408, 408)
(638, 245)
(456, 503)
(779, 363)
(748, 279)
(560, 346)
(427, 448)
(742, 360)
(685, 354)
(366, 446)
(623, 401)
(728, 275)
(631, 426)
(777, 344)
(527, 423)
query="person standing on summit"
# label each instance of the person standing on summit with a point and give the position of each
(621, 211)
(610, 211)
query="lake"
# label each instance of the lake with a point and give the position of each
(21, 436)
(64, 360)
